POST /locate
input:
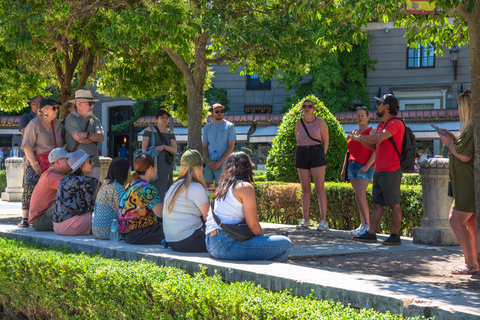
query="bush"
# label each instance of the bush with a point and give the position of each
(3, 180)
(412, 179)
(40, 282)
(280, 164)
(281, 203)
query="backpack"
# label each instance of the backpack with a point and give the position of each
(407, 158)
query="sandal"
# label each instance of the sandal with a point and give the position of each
(466, 270)
(23, 223)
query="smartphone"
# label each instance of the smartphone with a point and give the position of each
(440, 131)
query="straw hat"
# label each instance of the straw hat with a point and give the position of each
(83, 94)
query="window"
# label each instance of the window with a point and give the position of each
(423, 57)
(254, 83)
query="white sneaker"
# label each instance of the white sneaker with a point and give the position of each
(364, 229)
(356, 231)
(302, 225)
(323, 226)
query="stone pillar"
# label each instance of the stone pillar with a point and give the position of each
(104, 164)
(435, 229)
(15, 171)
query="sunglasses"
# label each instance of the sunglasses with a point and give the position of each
(56, 108)
(90, 103)
(309, 106)
(218, 111)
(361, 108)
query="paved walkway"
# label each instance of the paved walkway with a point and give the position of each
(358, 290)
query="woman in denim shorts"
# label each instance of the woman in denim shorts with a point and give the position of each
(360, 166)
(310, 161)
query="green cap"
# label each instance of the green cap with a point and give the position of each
(191, 158)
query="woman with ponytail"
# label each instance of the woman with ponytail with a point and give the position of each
(186, 206)
(140, 211)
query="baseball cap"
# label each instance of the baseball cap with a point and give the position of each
(77, 158)
(57, 154)
(191, 158)
(389, 99)
(217, 105)
(48, 102)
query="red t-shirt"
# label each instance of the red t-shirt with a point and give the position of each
(386, 157)
(44, 194)
(358, 152)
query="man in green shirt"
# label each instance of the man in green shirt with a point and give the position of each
(79, 135)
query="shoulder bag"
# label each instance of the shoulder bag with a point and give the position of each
(154, 153)
(168, 156)
(239, 231)
(43, 158)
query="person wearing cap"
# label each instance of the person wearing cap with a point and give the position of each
(186, 206)
(388, 171)
(79, 135)
(140, 209)
(26, 118)
(166, 146)
(43, 134)
(43, 196)
(218, 143)
(75, 199)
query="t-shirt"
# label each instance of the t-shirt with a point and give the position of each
(44, 194)
(314, 130)
(217, 137)
(123, 152)
(135, 210)
(106, 205)
(37, 138)
(358, 152)
(75, 123)
(185, 216)
(25, 120)
(75, 196)
(387, 159)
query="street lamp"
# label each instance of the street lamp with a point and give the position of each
(454, 57)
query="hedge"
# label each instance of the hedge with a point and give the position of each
(281, 203)
(3, 180)
(40, 282)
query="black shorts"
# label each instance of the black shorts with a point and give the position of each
(386, 188)
(307, 157)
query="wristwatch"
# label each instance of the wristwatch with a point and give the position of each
(88, 135)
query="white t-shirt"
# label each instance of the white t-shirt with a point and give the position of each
(185, 216)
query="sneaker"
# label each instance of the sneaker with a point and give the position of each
(356, 231)
(302, 225)
(323, 226)
(364, 229)
(366, 237)
(393, 240)
(23, 223)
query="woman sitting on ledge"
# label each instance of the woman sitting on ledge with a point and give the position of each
(72, 214)
(186, 206)
(235, 201)
(140, 211)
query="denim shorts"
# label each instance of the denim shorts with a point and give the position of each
(355, 174)
(213, 176)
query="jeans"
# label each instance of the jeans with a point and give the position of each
(355, 174)
(222, 246)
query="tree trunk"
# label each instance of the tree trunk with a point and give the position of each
(474, 51)
(194, 113)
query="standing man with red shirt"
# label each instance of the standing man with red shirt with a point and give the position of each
(388, 172)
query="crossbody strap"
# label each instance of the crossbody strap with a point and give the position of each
(306, 130)
(54, 137)
(164, 141)
(215, 217)
(391, 138)
(84, 130)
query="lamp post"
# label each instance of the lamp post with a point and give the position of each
(454, 57)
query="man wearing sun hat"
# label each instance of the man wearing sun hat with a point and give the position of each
(43, 196)
(218, 143)
(79, 135)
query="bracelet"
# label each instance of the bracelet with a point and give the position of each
(359, 136)
(33, 164)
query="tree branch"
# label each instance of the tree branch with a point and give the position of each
(222, 59)
(178, 60)
(463, 10)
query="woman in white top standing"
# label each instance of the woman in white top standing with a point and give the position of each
(186, 206)
(235, 201)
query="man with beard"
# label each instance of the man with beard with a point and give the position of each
(218, 143)
(388, 172)
(83, 130)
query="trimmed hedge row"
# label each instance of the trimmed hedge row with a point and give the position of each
(40, 282)
(281, 203)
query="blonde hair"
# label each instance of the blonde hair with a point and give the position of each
(465, 110)
(187, 175)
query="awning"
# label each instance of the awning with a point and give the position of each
(264, 134)
(181, 134)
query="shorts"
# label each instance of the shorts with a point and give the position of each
(354, 174)
(213, 176)
(386, 188)
(307, 157)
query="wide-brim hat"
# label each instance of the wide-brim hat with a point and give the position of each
(217, 105)
(83, 94)
(77, 158)
(57, 154)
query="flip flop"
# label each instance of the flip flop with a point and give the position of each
(466, 270)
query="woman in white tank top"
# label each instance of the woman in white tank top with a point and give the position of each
(235, 201)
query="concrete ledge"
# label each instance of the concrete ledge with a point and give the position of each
(355, 289)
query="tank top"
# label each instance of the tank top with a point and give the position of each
(358, 152)
(314, 130)
(229, 210)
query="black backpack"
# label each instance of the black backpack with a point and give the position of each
(407, 158)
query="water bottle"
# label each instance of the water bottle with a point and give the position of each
(215, 156)
(114, 230)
